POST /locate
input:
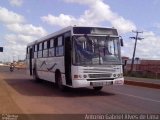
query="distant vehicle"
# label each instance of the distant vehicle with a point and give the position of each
(77, 57)
(12, 67)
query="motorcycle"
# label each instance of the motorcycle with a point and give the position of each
(11, 68)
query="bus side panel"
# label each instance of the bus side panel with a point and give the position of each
(46, 68)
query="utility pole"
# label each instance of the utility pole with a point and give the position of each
(135, 45)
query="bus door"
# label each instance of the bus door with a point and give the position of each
(67, 58)
(30, 59)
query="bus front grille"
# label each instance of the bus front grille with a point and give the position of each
(99, 75)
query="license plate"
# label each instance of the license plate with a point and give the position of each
(97, 83)
(109, 83)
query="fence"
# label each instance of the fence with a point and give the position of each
(145, 70)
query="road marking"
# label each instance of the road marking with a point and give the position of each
(143, 98)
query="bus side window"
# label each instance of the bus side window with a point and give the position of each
(39, 50)
(60, 46)
(45, 49)
(35, 51)
(45, 45)
(51, 48)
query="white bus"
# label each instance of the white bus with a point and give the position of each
(76, 57)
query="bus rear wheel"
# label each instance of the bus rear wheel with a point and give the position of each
(98, 88)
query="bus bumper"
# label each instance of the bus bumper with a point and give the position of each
(94, 83)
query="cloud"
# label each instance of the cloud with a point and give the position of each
(16, 42)
(19, 38)
(9, 17)
(98, 13)
(17, 23)
(21, 33)
(87, 2)
(148, 48)
(16, 45)
(17, 3)
(64, 20)
(27, 29)
(14, 51)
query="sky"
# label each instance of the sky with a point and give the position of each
(23, 21)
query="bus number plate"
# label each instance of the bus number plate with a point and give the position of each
(109, 83)
(97, 84)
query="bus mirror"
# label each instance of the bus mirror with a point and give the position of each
(121, 40)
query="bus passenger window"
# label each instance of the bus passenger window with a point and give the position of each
(35, 51)
(60, 48)
(45, 50)
(60, 41)
(39, 50)
(59, 51)
(51, 52)
(35, 48)
(51, 43)
(40, 46)
(52, 49)
(45, 45)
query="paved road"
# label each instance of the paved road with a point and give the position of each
(20, 94)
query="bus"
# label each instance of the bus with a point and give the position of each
(77, 56)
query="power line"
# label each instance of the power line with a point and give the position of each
(135, 45)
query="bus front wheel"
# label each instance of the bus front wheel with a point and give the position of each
(98, 88)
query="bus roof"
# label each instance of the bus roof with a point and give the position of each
(78, 30)
(51, 35)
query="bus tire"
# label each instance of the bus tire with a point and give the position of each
(98, 88)
(59, 81)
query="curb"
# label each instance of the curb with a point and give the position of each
(142, 84)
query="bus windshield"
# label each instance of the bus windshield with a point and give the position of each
(96, 50)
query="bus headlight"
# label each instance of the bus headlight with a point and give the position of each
(85, 76)
(81, 76)
(114, 75)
